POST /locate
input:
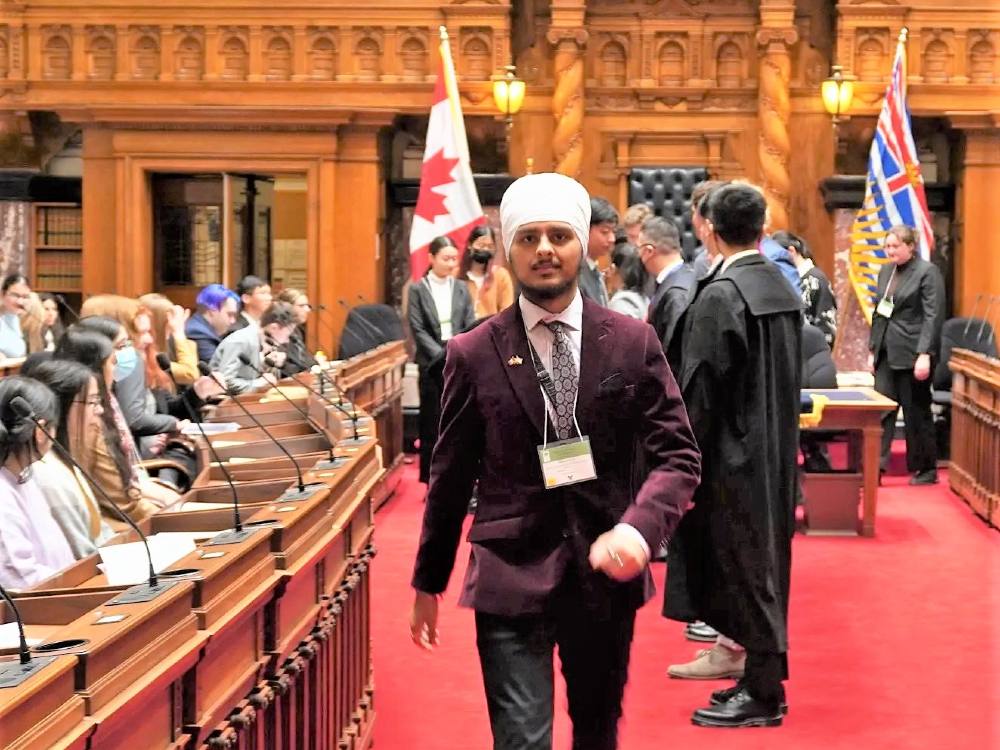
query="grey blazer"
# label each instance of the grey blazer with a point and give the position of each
(424, 323)
(239, 377)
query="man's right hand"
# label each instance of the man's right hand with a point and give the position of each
(423, 620)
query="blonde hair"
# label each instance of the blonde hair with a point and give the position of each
(636, 214)
(290, 295)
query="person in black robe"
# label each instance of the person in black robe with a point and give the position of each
(730, 560)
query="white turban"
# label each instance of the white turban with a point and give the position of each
(546, 196)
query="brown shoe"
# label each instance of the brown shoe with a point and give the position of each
(716, 663)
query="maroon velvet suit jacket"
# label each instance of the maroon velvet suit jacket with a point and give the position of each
(527, 541)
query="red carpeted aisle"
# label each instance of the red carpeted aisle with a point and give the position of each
(894, 644)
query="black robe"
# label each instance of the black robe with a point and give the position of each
(729, 562)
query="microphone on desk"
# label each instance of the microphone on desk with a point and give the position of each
(986, 317)
(372, 328)
(153, 587)
(303, 491)
(331, 458)
(238, 533)
(13, 673)
(66, 306)
(344, 330)
(972, 314)
(353, 416)
(23, 648)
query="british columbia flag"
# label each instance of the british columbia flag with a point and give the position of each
(894, 193)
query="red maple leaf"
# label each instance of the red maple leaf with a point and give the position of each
(436, 173)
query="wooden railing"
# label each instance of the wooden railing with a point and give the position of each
(260, 642)
(374, 381)
(975, 432)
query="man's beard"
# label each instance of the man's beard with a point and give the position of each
(534, 293)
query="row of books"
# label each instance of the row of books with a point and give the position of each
(59, 226)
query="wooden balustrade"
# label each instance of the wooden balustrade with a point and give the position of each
(975, 432)
(263, 644)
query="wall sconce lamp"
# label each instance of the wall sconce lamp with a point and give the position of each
(838, 92)
(508, 95)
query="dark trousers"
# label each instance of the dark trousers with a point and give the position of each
(914, 396)
(430, 385)
(516, 658)
(763, 675)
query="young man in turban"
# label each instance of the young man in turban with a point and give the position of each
(567, 415)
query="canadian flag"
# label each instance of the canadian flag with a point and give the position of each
(447, 202)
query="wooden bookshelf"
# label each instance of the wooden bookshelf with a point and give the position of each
(57, 247)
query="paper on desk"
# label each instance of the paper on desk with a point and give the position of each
(125, 564)
(194, 536)
(227, 443)
(211, 428)
(10, 640)
(193, 505)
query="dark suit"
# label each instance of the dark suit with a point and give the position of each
(668, 304)
(426, 330)
(914, 328)
(591, 283)
(528, 569)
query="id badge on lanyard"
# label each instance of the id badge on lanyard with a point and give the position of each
(886, 305)
(566, 461)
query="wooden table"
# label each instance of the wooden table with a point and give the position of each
(858, 410)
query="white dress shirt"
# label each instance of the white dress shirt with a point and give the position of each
(442, 290)
(535, 320)
(736, 256)
(662, 275)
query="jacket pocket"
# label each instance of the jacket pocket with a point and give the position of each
(499, 528)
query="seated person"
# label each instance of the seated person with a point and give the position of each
(260, 345)
(15, 295)
(215, 313)
(111, 456)
(32, 547)
(818, 371)
(69, 495)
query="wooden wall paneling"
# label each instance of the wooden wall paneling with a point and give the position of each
(977, 265)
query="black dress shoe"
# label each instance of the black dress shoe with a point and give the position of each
(924, 477)
(741, 710)
(721, 696)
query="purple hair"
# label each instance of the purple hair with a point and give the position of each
(214, 296)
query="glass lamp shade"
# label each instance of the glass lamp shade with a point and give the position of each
(837, 93)
(508, 93)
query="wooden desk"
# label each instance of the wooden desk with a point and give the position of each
(264, 645)
(974, 473)
(859, 410)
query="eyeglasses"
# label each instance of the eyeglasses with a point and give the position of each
(94, 402)
(15, 295)
(123, 345)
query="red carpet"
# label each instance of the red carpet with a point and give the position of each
(894, 644)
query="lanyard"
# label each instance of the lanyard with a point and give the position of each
(888, 286)
(549, 392)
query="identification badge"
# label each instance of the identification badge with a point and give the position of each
(566, 462)
(885, 308)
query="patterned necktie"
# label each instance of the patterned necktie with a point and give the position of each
(564, 377)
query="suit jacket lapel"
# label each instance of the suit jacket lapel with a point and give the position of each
(427, 300)
(594, 340)
(457, 308)
(511, 344)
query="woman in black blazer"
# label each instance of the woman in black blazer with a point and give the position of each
(906, 328)
(439, 306)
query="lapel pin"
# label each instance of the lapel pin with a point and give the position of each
(515, 361)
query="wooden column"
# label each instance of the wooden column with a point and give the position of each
(101, 189)
(351, 260)
(776, 36)
(79, 53)
(567, 99)
(256, 51)
(122, 72)
(977, 266)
